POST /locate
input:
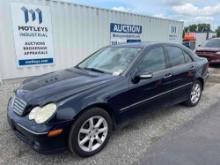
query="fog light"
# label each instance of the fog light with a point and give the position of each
(55, 132)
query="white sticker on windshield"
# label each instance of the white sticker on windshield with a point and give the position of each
(117, 73)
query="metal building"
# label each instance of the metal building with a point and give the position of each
(39, 36)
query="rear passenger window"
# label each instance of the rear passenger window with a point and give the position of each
(187, 57)
(175, 55)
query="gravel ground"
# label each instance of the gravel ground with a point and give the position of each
(126, 145)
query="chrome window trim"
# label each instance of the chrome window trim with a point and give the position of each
(163, 93)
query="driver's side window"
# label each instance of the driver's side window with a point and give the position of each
(153, 61)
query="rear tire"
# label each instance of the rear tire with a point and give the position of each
(195, 94)
(90, 132)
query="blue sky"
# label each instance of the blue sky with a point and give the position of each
(189, 11)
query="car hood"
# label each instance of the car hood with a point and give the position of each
(58, 85)
(208, 49)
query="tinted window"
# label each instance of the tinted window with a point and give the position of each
(175, 55)
(153, 61)
(187, 57)
(213, 43)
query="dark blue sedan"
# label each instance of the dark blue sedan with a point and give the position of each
(77, 108)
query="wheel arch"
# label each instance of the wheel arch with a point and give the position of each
(103, 106)
(200, 79)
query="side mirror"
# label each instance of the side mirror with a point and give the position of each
(142, 76)
(199, 45)
(145, 76)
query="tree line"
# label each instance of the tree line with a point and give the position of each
(201, 28)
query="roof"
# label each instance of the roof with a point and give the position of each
(144, 44)
(136, 44)
(217, 38)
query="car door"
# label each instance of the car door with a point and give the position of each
(182, 72)
(154, 91)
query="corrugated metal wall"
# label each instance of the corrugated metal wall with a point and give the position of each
(77, 31)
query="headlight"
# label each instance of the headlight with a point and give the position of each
(217, 52)
(42, 114)
(33, 113)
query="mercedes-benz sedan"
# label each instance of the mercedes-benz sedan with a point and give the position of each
(77, 108)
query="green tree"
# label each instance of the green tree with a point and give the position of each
(198, 28)
(218, 31)
(193, 28)
(204, 28)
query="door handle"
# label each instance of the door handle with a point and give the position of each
(166, 76)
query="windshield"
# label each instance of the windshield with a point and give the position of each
(114, 60)
(214, 43)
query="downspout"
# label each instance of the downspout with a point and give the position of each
(1, 58)
(1, 67)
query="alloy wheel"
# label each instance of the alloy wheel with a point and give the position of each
(195, 93)
(92, 133)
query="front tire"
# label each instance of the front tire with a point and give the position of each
(195, 94)
(90, 132)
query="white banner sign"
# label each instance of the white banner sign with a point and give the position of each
(173, 33)
(122, 33)
(32, 34)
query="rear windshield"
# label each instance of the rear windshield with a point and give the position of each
(214, 43)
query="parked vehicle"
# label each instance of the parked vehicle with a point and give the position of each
(77, 108)
(210, 50)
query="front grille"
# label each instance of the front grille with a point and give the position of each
(19, 106)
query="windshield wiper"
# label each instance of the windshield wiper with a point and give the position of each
(94, 69)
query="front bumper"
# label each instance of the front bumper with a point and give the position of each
(38, 140)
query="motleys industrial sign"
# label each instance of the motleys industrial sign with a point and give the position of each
(32, 34)
(124, 33)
